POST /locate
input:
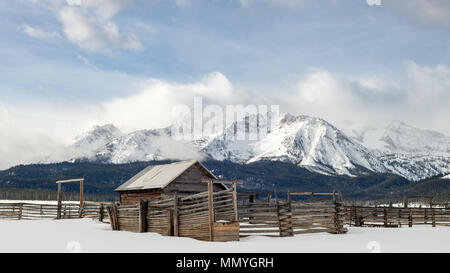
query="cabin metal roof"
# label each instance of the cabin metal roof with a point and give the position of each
(159, 176)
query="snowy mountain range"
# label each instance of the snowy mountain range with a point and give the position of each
(309, 142)
(407, 151)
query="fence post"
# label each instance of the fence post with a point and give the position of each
(349, 211)
(410, 219)
(425, 216)
(359, 218)
(385, 217)
(211, 210)
(353, 215)
(235, 204)
(58, 210)
(100, 212)
(175, 215)
(143, 205)
(20, 211)
(433, 218)
(284, 213)
(111, 220)
(112, 213)
(80, 212)
(337, 219)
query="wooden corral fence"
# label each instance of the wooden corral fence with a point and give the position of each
(286, 218)
(95, 210)
(208, 216)
(30, 211)
(389, 216)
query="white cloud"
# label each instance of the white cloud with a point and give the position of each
(151, 107)
(22, 143)
(419, 97)
(35, 32)
(431, 12)
(38, 131)
(90, 24)
(95, 33)
(105, 9)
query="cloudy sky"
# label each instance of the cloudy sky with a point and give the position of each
(67, 65)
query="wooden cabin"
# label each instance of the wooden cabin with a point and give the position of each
(182, 178)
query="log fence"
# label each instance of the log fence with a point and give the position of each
(95, 210)
(388, 216)
(286, 218)
(31, 211)
(228, 215)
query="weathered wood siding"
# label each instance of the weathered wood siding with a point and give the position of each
(190, 182)
(133, 197)
(187, 216)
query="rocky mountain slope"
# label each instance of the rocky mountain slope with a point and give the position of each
(304, 141)
(407, 151)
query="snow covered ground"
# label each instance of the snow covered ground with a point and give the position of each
(87, 235)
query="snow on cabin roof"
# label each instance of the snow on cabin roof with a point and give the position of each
(159, 176)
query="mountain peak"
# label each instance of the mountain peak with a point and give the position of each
(399, 136)
(98, 136)
(286, 117)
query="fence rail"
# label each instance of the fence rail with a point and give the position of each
(286, 218)
(30, 211)
(95, 210)
(396, 217)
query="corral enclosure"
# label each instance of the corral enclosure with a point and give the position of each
(30, 211)
(208, 216)
(265, 215)
(270, 217)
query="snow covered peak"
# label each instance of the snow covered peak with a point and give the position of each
(401, 137)
(305, 141)
(286, 117)
(97, 137)
(314, 143)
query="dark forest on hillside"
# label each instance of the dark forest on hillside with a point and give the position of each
(37, 181)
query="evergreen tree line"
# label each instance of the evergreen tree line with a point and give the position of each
(51, 195)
